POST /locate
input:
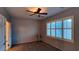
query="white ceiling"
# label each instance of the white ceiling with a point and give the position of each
(19, 12)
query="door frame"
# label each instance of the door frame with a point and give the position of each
(7, 42)
(3, 21)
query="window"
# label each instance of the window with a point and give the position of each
(67, 29)
(56, 29)
(48, 29)
(59, 24)
(60, 29)
(52, 28)
(59, 33)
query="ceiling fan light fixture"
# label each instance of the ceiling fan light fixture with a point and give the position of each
(37, 11)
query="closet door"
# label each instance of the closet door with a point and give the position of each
(2, 31)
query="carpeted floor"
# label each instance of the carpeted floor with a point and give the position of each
(33, 46)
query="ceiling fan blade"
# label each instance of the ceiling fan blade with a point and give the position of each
(32, 14)
(43, 13)
(38, 10)
(29, 11)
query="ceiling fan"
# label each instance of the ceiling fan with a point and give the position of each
(37, 12)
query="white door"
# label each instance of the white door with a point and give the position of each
(2, 31)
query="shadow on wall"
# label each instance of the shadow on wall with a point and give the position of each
(13, 34)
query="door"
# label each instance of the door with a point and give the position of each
(8, 34)
(2, 31)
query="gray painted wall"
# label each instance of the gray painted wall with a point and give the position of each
(3, 12)
(25, 30)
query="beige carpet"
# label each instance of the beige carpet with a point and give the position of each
(33, 46)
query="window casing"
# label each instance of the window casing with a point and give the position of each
(67, 29)
(48, 29)
(53, 29)
(62, 29)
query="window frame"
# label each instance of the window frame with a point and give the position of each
(48, 28)
(53, 28)
(72, 28)
(56, 28)
(62, 38)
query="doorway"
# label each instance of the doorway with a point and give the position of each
(8, 34)
(5, 34)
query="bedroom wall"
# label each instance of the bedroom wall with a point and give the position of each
(3, 12)
(25, 30)
(63, 45)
